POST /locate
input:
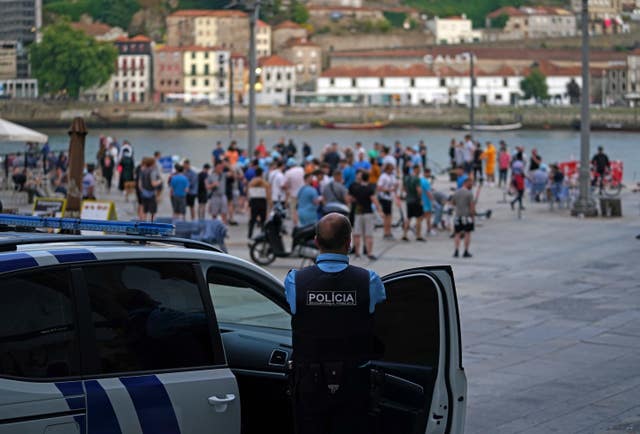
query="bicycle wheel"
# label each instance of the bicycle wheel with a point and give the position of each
(261, 253)
(612, 189)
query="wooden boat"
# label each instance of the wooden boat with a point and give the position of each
(493, 127)
(354, 126)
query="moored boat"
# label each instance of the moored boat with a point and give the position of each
(493, 127)
(354, 126)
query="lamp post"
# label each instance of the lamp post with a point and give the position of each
(253, 9)
(584, 205)
(472, 125)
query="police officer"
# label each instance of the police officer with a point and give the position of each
(332, 305)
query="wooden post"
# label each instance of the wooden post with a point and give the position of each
(77, 135)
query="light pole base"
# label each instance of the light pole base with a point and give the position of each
(584, 208)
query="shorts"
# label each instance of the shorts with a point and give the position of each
(179, 204)
(363, 225)
(426, 206)
(386, 206)
(191, 200)
(414, 209)
(218, 205)
(463, 225)
(203, 198)
(149, 205)
(293, 204)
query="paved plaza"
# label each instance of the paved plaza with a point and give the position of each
(550, 315)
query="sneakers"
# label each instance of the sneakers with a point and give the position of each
(467, 254)
(421, 239)
(372, 257)
(405, 239)
(456, 254)
(388, 237)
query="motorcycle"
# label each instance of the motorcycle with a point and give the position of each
(269, 245)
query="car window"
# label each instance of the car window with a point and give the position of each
(37, 328)
(407, 324)
(238, 302)
(149, 316)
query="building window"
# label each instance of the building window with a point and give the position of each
(332, 82)
(505, 82)
(206, 82)
(443, 82)
(177, 82)
(193, 55)
(206, 69)
(193, 82)
(289, 76)
(193, 69)
(413, 82)
(354, 82)
(221, 84)
(206, 54)
(278, 76)
(382, 82)
(268, 76)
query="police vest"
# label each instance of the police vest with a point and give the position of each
(332, 320)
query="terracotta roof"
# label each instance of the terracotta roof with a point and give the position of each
(139, 38)
(220, 13)
(288, 24)
(416, 70)
(183, 48)
(272, 61)
(344, 8)
(92, 29)
(484, 53)
(507, 10)
(261, 23)
(551, 69)
(300, 42)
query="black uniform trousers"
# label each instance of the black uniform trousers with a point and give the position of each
(318, 411)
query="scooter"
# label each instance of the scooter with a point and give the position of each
(269, 245)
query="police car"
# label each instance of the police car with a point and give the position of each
(140, 332)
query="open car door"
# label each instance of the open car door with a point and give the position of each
(420, 385)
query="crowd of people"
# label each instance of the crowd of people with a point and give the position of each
(372, 184)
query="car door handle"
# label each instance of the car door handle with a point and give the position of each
(220, 404)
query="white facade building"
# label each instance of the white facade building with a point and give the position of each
(453, 30)
(277, 81)
(422, 85)
(132, 80)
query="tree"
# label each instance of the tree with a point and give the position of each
(298, 12)
(67, 60)
(535, 86)
(114, 12)
(500, 21)
(573, 90)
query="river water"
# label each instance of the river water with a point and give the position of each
(197, 144)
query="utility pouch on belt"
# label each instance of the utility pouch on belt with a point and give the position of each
(333, 375)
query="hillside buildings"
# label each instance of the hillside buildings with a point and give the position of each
(453, 30)
(209, 28)
(132, 80)
(307, 59)
(263, 39)
(531, 23)
(285, 31)
(277, 82)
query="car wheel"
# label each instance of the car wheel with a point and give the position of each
(261, 253)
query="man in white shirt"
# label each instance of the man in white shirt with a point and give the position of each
(387, 187)
(276, 180)
(468, 150)
(293, 182)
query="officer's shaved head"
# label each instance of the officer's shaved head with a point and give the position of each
(333, 233)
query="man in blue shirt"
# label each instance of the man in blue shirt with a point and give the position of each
(332, 305)
(179, 187)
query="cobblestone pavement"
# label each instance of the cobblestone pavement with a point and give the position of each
(550, 315)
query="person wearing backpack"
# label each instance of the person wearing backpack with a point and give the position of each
(148, 182)
(517, 182)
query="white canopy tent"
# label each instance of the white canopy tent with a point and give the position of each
(10, 132)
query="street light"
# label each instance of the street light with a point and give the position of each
(584, 205)
(253, 9)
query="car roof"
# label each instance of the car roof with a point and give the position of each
(24, 250)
